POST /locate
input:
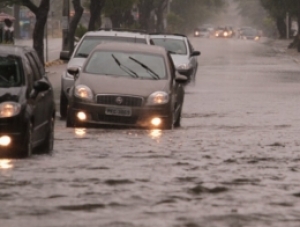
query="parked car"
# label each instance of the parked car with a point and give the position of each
(83, 49)
(126, 84)
(182, 53)
(27, 109)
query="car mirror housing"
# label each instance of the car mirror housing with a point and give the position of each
(73, 71)
(41, 85)
(179, 78)
(196, 53)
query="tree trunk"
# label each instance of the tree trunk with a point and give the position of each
(281, 27)
(95, 11)
(41, 14)
(116, 20)
(74, 22)
(17, 18)
(160, 11)
(145, 9)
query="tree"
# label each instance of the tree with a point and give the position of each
(96, 7)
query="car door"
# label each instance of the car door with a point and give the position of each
(38, 104)
(174, 87)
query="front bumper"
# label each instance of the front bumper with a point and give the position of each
(140, 116)
(15, 129)
(66, 83)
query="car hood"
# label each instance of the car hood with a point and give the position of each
(76, 62)
(126, 86)
(179, 59)
(12, 94)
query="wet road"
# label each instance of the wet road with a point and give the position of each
(234, 162)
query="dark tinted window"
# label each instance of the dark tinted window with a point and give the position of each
(11, 74)
(90, 42)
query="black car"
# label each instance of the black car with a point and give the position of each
(126, 84)
(27, 109)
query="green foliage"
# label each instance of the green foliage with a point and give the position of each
(80, 31)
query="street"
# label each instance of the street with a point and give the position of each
(234, 161)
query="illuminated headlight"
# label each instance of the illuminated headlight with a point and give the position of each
(81, 116)
(196, 33)
(225, 34)
(159, 97)
(5, 141)
(156, 121)
(9, 109)
(83, 92)
(256, 38)
(184, 66)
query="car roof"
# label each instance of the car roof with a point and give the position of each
(131, 47)
(169, 36)
(6, 49)
(118, 33)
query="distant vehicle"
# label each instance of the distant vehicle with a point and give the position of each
(126, 84)
(83, 49)
(182, 53)
(27, 108)
(202, 32)
(249, 33)
(224, 32)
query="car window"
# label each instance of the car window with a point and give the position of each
(176, 46)
(36, 73)
(126, 64)
(11, 74)
(90, 42)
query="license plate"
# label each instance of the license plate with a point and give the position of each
(118, 112)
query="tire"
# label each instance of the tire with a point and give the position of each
(47, 145)
(178, 120)
(70, 123)
(63, 105)
(27, 149)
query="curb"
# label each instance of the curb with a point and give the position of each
(55, 62)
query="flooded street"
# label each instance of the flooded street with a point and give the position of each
(234, 162)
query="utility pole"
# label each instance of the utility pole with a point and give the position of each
(65, 28)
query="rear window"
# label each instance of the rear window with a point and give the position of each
(89, 43)
(174, 46)
(10, 72)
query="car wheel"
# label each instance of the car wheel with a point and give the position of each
(47, 145)
(27, 148)
(70, 123)
(178, 120)
(63, 105)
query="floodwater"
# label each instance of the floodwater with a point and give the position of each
(234, 162)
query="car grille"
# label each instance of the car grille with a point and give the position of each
(120, 100)
(117, 119)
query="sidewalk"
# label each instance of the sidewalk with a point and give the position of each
(281, 47)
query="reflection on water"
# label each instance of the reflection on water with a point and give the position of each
(6, 164)
(80, 132)
(155, 133)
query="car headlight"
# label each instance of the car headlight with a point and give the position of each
(83, 92)
(256, 38)
(184, 66)
(9, 109)
(159, 97)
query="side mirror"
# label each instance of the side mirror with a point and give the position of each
(195, 53)
(64, 55)
(179, 78)
(41, 85)
(73, 71)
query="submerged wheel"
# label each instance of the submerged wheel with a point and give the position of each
(63, 105)
(27, 148)
(47, 145)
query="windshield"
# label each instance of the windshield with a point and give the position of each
(175, 46)
(123, 64)
(90, 42)
(10, 73)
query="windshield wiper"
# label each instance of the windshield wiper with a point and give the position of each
(152, 73)
(82, 55)
(125, 68)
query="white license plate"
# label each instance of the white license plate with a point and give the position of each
(118, 112)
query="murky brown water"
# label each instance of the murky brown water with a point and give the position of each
(234, 162)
